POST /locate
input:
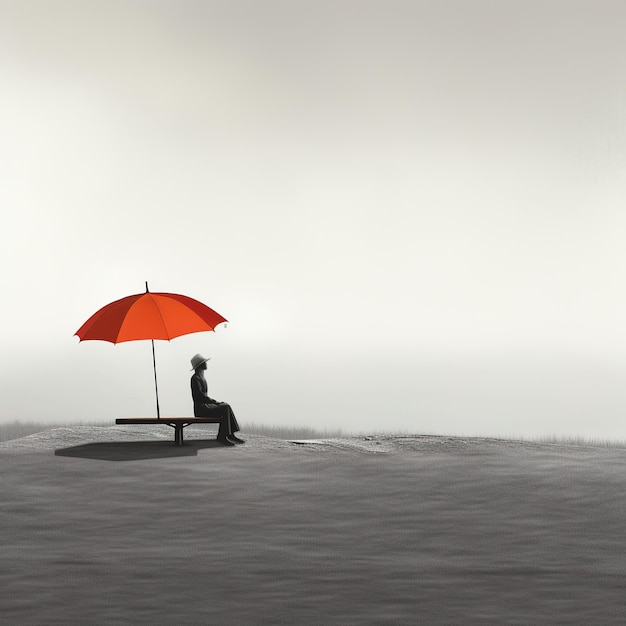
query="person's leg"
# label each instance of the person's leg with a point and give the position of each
(233, 425)
(218, 410)
(224, 429)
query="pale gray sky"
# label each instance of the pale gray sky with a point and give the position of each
(412, 213)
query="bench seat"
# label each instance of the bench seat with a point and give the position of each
(177, 423)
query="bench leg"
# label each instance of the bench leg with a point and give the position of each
(178, 434)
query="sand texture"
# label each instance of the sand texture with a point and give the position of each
(120, 526)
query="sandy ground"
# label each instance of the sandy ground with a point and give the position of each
(120, 526)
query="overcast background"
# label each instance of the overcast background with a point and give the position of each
(411, 213)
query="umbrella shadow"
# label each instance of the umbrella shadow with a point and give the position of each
(136, 450)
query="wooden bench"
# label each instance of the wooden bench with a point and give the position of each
(177, 423)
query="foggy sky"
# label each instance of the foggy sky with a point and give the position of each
(411, 213)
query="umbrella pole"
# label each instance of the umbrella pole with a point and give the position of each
(156, 388)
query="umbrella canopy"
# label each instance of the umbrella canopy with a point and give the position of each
(149, 316)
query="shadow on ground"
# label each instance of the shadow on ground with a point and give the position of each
(137, 450)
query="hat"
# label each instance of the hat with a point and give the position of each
(198, 360)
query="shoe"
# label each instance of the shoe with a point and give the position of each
(226, 441)
(236, 439)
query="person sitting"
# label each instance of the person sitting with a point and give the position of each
(204, 406)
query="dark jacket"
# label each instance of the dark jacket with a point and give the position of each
(199, 395)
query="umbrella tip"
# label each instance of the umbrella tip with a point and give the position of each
(147, 290)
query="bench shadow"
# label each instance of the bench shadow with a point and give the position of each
(137, 450)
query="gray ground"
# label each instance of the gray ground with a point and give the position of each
(119, 526)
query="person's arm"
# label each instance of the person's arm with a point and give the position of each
(198, 394)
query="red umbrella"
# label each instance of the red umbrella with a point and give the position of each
(149, 316)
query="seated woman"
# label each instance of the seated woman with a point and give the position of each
(203, 406)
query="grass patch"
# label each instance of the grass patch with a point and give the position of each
(17, 429)
(292, 432)
(570, 440)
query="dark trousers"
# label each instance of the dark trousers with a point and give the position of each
(228, 421)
